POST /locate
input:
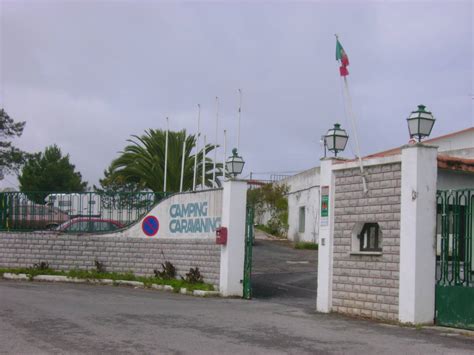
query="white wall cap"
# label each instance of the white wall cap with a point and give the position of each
(419, 145)
(369, 162)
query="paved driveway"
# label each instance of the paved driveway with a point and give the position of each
(284, 275)
(46, 318)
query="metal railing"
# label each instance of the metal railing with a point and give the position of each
(455, 234)
(83, 212)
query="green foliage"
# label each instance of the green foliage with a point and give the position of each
(271, 198)
(94, 275)
(168, 271)
(11, 158)
(268, 229)
(306, 245)
(99, 266)
(50, 171)
(116, 183)
(43, 265)
(193, 276)
(141, 164)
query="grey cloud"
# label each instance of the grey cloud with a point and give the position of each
(86, 75)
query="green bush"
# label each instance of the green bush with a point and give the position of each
(306, 245)
(271, 198)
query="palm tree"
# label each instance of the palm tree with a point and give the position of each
(142, 162)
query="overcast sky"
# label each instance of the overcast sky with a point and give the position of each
(88, 74)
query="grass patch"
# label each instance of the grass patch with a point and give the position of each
(306, 245)
(263, 228)
(268, 230)
(95, 275)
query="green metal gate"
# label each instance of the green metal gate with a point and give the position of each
(455, 267)
(249, 235)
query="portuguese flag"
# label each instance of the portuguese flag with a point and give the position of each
(343, 58)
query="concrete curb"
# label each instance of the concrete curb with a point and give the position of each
(168, 288)
(10, 276)
(136, 284)
(202, 293)
(100, 281)
(51, 278)
(129, 283)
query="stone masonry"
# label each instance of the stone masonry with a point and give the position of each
(367, 285)
(117, 252)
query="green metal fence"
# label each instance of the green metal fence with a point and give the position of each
(249, 238)
(454, 237)
(85, 212)
(455, 249)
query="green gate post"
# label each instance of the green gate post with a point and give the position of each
(249, 235)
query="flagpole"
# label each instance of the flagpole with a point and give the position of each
(342, 56)
(182, 164)
(215, 148)
(354, 128)
(225, 153)
(166, 153)
(197, 147)
(240, 113)
(204, 165)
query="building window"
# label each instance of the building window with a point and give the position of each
(301, 219)
(369, 237)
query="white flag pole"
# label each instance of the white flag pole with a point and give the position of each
(240, 113)
(166, 154)
(204, 164)
(354, 128)
(350, 111)
(215, 148)
(182, 165)
(225, 153)
(197, 147)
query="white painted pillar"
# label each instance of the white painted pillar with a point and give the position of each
(326, 228)
(234, 205)
(418, 234)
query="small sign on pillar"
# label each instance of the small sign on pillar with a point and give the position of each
(324, 206)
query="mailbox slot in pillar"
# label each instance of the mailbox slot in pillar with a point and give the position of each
(221, 235)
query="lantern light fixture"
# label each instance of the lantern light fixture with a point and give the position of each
(336, 139)
(420, 123)
(235, 163)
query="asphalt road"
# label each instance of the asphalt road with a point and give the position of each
(281, 274)
(47, 318)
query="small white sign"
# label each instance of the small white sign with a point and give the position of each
(324, 221)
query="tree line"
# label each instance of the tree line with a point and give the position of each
(139, 166)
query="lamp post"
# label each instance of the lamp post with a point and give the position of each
(235, 163)
(420, 123)
(336, 139)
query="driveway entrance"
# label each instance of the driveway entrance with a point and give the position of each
(281, 274)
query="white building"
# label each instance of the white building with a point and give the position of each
(303, 205)
(303, 196)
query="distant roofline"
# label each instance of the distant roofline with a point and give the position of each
(397, 150)
(447, 162)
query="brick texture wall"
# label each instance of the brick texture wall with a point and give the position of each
(117, 252)
(367, 285)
